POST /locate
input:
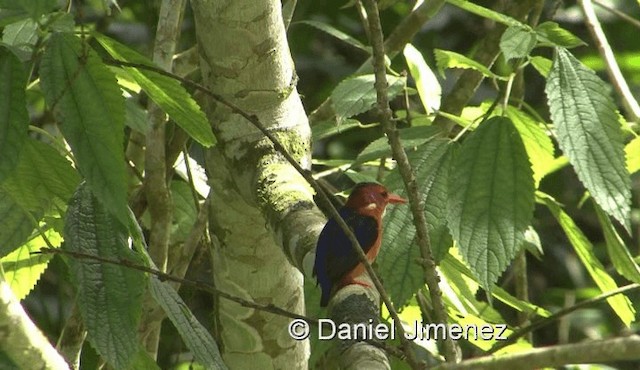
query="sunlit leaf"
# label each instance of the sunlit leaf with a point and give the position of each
(632, 150)
(617, 250)
(164, 91)
(584, 249)
(427, 84)
(449, 59)
(553, 34)
(23, 267)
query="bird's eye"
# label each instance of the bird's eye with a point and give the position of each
(385, 194)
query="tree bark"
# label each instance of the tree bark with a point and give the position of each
(262, 212)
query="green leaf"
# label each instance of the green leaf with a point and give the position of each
(41, 176)
(460, 276)
(490, 198)
(136, 117)
(584, 249)
(449, 59)
(14, 118)
(411, 137)
(164, 91)
(632, 150)
(541, 64)
(89, 104)
(36, 8)
(109, 296)
(194, 335)
(617, 250)
(427, 84)
(357, 94)
(23, 268)
(517, 42)
(487, 13)
(401, 272)
(536, 141)
(589, 133)
(551, 33)
(21, 37)
(337, 34)
(17, 223)
(325, 129)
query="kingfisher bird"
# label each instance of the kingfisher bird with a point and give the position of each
(337, 264)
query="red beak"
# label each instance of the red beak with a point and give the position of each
(395, 198)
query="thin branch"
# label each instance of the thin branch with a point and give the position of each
(544, 321)
(322, 196)
(207, 287)
(155, 184)
(597, 351)
(615, 75)
(400, 36)
(408, 176)
(624, 16)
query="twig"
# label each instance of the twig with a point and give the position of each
(322, 196)
(607, 350)
(634, 22)
(408, 176)
(207, 287)
(615, 75)
(540, 322)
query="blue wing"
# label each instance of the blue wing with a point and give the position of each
(334, 254)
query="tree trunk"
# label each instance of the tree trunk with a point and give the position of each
(262, 211)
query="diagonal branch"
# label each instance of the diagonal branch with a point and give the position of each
(408, 176)
(615, 75)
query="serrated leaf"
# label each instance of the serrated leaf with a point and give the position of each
(325, 129)
(324, 27)
(194, 335)
(357, 94)
(398, 265)
(411, 137)
(517, 42)
(14, 118)
(617, 250)
(584, 249)
(427, 84)
(486, 13)
(36, 8)
(90, 107)
(109, 296)
(21, 37)
(17, 223)
(589, 133)
(632, 150)
(22, 268)
(41, 176)
(541, 64)
(164, 91)
(490, 198)
(449, 59)
(552, 33)
(536, 141)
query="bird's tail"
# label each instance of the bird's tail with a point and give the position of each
(324, 300)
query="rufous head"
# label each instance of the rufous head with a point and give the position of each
(371, 198)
